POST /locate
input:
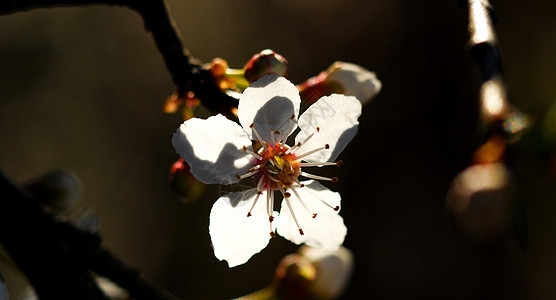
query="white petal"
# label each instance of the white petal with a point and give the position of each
(326, 230)
(336, 116)
(236, 237)
(356, 80)
(213, 149)
(269, 104)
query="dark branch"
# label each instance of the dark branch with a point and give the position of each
(58, 258)
(484, 49)
(187, 74)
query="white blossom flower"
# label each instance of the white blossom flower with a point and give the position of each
(222, 152)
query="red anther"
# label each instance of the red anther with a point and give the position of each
(339, 163)
(301, 231)
(337, 208)
(334, 179)
(259, 192)
(302, 185)
(287, 194)
(238, 177)
(272, 234)
(252, 125)
(276, 132)
(292, 117)
(318, 129)
(314, 215)
(249, 214)
(270, 218)
(326, 146)
(244, 148)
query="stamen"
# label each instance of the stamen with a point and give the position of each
(283, 141)
(314, 215)
(317, 177)
(248, 174)
(335, 208)
(256, 199)
(291, 150)
(252, 126)
(260, 184)
(293, 215)
(252, 153)
(272, 139)
(269, 209)
(321, 164)
(268, 205)
(312, 151)
(284, 193)
(271, 171)
(272, 178)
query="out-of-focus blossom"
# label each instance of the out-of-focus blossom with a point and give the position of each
(334, 268)
(263, 63)
(312, 273)
(220, 151)
(480, 200)
(341, 78)
(183, 183)
(58, 189)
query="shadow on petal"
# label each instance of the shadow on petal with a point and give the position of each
(274, 115)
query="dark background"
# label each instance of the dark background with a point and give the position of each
(83, 89)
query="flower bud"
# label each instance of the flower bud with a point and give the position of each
(294, 277)
(265, 62)
(334, 268)
(58, 189)
(341, 78)
(183, 183)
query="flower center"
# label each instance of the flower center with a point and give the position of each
(277, 167)
(280, 169)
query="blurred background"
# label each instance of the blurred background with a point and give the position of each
(83, 88)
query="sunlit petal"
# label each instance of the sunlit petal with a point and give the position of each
(269, 104)
(235, 236)
(336, 117)
(213, 149)
(326, 230)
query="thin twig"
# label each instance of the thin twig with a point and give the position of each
(187, 74)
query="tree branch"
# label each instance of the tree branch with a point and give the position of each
(187, 73)
(483, 43)
(58, 258)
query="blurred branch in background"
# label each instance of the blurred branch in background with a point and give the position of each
(57, 257)
(187, 73)
(481, 199)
